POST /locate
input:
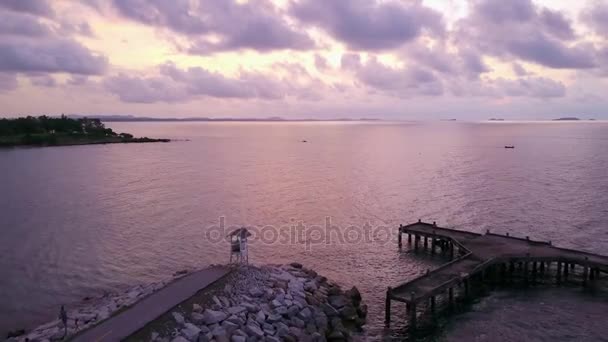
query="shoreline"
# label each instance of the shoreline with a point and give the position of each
(78, 142)
(273, 302)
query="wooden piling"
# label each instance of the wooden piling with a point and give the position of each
(451, 296)
(559, 271)
(409, 238)
(426, 243)
(400, 233)
(387, 307)
(432, 300)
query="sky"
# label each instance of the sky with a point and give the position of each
(324, 59)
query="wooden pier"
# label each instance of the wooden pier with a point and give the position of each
(477, 260)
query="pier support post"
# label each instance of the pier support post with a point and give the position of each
(433, 245)
(409, 238)
(451, 296)
(542, 267)
(416, 241)
(426, 243)
(466, 287)
(566, 267)
(534, 271)
(400, 233)
(526, 272)
(559, 271)
(585, 272)
(413, 311)
(451, 250)
(387, 307)
(433, 305)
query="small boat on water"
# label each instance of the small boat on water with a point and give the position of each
(509, 146)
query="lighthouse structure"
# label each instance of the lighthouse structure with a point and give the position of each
(238, 246)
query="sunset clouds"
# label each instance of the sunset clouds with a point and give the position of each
(304, 58)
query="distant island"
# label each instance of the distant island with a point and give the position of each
(567, 119)
(495, 119)
(132, 118)
(61, 131)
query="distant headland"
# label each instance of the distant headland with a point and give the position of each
(61, 131)
(567, 119)
(132, 118)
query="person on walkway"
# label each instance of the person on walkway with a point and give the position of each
(64, 318)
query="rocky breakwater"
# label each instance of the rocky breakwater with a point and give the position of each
(90, 312)
(273, 303)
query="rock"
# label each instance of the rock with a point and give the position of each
(295, 331)
(238, 338)
(219, 334)
(225, 301)
(317, 337)
(229, 326)
(191, 331)
(336, 336)
(251, 307)
(274, 318)
(329, 310)
(348, 312)
(333, 291)
(212, 316)
(235, 319)
(179, 318)
(179, 339)
(354, 294)
(296, 265)
(153, 336)
(272, 339)
(260, 316)
(305, 314)
(217, 301)
(235, 310)
(282, 329)
(228, 289)
(256, 292)
(310, 286)
(197, 318)
(310, 328)
(321, 321)
(337, 301)
(281, 310)
(197, 308)
(362, 310)
(298, 322)
(254, 330)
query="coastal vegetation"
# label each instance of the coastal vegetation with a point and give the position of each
(59, 131)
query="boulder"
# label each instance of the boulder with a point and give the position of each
(348, 312)
(197, 308)
(179, 318)
(337, 301)
(179, 339)
(235, 310)
(191, 331)
(250, 307)
(329, 310)
(362, 310)
(336, 336)
(296, 265)
(212, 316)
(256, 292)
(354, 294)
(217, 301)
(238, 338)
(254, 330)
(197, 318)
(305, 314)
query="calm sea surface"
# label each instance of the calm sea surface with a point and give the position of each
(78, 221)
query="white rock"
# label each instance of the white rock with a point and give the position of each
(179, 318)
(212, 316)
(254, 330)
(197, 308)
(191, 331)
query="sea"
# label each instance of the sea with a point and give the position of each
(81, 221)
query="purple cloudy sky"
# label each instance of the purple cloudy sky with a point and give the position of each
(393, 59)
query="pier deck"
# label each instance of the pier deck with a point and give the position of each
(475, 256)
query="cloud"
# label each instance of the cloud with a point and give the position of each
(539, 87)
(393, 81)
(18, 24)
(369, 24)
(596, 16)
(35, 7)
(49, 55)
(520, 30)
(145, 90)
(42, 80)
(8, 82)
(519, 70)
(219, 25)
(175, 85)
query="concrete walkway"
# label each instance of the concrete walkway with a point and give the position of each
(131, 320)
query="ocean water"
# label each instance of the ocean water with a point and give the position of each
(78, 221)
